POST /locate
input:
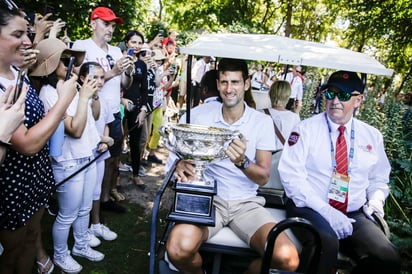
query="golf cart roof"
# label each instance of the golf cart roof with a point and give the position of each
(284, 50)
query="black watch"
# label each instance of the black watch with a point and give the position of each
(244, 164)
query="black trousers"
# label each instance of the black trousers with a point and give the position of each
(134, 132)
(368, 246)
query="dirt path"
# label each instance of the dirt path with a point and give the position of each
(153, 180)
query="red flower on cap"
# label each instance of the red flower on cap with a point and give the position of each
(105, 14)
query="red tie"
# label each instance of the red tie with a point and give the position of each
(341, 157)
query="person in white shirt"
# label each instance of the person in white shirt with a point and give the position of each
(296, 82)
(338, 185)
(81, 138)
(103, 22)
(238, 178)
(199, 69)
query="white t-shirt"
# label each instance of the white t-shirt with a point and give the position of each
(111, 89)
(285, 122)
(73, 148)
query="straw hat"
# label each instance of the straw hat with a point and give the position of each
(51, 50)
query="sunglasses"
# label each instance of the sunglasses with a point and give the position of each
(145, 53)
(342, 96)
(65, 61)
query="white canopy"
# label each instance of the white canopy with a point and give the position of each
(284, 50)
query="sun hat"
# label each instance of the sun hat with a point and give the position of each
(346, 81)
(158, 55)
(51, 50)
(105, 14)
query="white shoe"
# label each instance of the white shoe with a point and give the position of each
(92, 239)
(67, 264)
(88, 253)
(142, 172)
(104, 232)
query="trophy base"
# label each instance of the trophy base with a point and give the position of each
(194, 204)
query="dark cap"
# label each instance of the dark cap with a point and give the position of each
(346, 81)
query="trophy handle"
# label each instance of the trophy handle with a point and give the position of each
(168, 137)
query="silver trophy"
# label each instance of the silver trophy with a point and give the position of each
(193, 201)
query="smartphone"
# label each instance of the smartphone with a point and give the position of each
(91, 72)
(48, 9)
(130, 106)
(19, 85)
(130, 52)
(70, 67)
(161, 32)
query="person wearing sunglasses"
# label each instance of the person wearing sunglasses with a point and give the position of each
(26, 177)
(136, 100)
(335, 173)
(117, 67)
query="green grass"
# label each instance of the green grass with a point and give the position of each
(127, 254)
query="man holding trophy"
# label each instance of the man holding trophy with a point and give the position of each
(246, 166)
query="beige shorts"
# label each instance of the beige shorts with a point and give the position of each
(244, 217)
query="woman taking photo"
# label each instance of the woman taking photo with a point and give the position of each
(26, 177)
(135, 99)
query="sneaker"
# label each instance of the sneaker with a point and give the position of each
(145, 163)
(112, 206)
(92, 239)
(142, 172)
(88, 253)
(103, 231)
(67, 264)
(154, 159)
(125, 167)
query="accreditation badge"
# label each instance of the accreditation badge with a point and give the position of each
(338, 187)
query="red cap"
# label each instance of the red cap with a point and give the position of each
(105, 14)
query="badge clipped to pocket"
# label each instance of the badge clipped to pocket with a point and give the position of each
(338, 187)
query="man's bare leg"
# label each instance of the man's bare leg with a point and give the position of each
(285, 256)
(183, 247)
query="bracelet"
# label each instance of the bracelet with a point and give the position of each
(4, 144)
(95, 97)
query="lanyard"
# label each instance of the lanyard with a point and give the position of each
(332, 147)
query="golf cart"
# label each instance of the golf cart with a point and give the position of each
(220, 250)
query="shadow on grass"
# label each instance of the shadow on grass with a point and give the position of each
(127, 254)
